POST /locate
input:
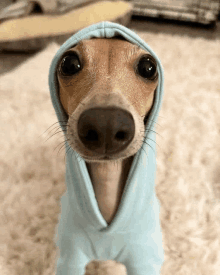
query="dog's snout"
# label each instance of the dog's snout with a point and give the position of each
(106, 130)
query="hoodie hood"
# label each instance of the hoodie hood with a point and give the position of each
(138, 212)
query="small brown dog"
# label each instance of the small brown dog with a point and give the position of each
(108, 115)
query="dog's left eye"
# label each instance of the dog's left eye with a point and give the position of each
(70, 64)
(147, 68)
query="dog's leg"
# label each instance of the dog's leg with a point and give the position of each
(109, 267)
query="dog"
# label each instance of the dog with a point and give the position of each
(107, 90)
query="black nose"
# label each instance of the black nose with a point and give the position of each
(106, 130)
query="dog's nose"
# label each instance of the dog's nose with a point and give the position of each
(106, 130)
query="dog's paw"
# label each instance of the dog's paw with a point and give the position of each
(109, 267)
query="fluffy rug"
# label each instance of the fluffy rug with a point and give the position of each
(188, 161)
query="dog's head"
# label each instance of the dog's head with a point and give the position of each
(104, 83)
(107, 88)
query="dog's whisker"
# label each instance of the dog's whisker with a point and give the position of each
(59, 145)
(54, 135)
(72, 152)
(143, 149)
(151, 140)
(153, 121)
(155, 142)
(54, 129)
(154, 132)
(149, 145)
(51, 126)
(157, 116)
(63, 146)
(68, 150)
(61, 130)
(145, 153)
(78, 157)
(149, 130)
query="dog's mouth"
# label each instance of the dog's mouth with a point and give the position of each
(102, 158)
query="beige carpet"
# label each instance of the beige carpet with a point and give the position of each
(188, 158)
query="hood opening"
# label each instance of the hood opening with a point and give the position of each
(119, 37)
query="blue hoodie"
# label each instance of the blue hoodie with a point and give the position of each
(134, 236)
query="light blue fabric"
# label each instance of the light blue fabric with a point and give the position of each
(134, 237)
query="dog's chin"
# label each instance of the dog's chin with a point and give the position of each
(101, 159)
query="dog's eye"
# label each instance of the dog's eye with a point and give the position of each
(147, 68)
(70, 64)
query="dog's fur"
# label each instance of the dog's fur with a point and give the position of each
(107, 78)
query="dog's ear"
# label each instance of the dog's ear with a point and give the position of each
(148, 113)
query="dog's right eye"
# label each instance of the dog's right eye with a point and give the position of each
(147, 68)
(70, 64)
